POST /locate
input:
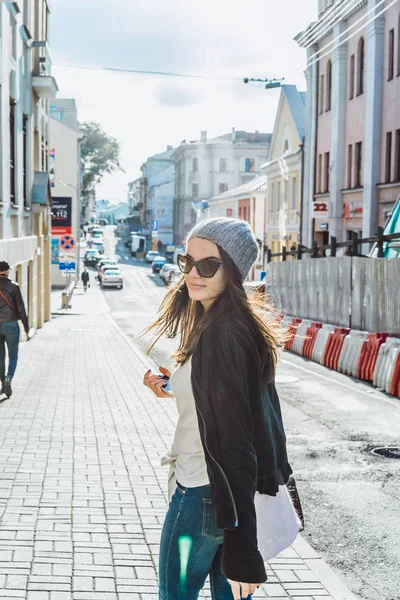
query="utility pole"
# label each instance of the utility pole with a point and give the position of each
(269, 83)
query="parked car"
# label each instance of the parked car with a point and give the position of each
(158, 263)
(92, 257)
(138, 244)
(150, 256)
(166, 272)
(98, 245)
(112, 278)
(105, 268)
(106, 261)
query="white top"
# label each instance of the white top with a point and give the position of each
(187, 454)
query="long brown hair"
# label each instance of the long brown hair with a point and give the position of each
(181, 316)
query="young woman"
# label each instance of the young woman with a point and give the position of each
(229, 440)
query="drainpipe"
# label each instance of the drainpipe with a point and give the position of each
(302, 191)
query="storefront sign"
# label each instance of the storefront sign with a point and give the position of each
(55, 251)
(352, 210)
(61, 221)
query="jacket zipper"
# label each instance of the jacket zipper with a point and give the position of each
(220, 468)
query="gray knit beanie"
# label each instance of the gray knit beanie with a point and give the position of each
(232, 235)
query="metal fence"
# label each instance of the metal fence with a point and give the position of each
(361, 293)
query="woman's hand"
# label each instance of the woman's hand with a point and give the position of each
(242, 590)
(155, 383)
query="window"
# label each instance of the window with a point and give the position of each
(193, 216)
(286, 146)
(352, 69)
(388, 158)
(397, 157)
(360, 67)
(326, 169)
(272, 198)
(195, 164)
(13, 199)
(286, 193)
(240, 212)
(222, 164)
(13, 25)
(398, 49)
(391, 55)
(195, 190)
(43, 154)
(249, 165)
(278, 197)
(319, 174)
(294, 194)
(358, 165)
(350, 167)
(321, 95)
(229, 212)
(329, 86)
(25, 159)
(223, 187)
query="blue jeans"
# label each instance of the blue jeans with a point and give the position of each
(9, 334)
(191, 548)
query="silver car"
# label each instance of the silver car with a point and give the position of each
(112, 278)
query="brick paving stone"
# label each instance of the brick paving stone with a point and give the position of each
(82, 494)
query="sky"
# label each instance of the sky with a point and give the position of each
(221, 40)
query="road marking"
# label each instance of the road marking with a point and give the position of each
(345, 385)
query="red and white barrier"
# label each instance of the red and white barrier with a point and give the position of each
(311, 337)
(369, 354)
(351, 351)
(386, 363)
(300, 336)
(334, 346)
(321, 342)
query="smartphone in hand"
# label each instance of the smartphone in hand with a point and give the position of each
(167, 386)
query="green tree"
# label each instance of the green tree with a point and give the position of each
(100, 155)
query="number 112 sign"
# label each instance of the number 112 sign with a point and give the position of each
(61, 219)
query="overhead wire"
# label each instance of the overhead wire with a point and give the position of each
(347, 30)
(310, 64)
(329, 22)
(145, 72)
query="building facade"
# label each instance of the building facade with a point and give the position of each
(65, 181)
(156, 196)
(284, 172)
(352, 147)
(27, 87)
(247, 202)
(208, 168)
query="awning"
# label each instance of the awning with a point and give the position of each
(41, 188)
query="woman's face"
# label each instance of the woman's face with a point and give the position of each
(204, 290)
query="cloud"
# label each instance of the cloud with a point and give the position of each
(173, 95)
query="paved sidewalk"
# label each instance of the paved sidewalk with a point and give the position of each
(82, 493)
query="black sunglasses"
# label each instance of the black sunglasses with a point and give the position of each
(205, 268)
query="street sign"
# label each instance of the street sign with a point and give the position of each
(154, 225)
(139, 230)
(68, 268)
(67, 242)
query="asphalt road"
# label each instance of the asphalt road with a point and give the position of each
(351, 498)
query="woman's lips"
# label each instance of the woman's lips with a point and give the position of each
(196, 286)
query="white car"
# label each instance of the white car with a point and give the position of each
(98, 245)
(168, 271)
(112, 278)
(150, 256)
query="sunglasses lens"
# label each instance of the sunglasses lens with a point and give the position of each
(207, 268)
(185, 264)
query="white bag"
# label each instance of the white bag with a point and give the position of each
(277, 522)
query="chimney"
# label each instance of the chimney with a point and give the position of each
(233, 135)
(203, 137)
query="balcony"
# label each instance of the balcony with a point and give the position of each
(43, 82)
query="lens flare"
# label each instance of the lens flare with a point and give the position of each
(185, 544)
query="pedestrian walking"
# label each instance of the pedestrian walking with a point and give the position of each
(229, 441)
(12, 309)
(85, 279)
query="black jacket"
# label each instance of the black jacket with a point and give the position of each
(243, 438)
(13, 294)
(85, 276)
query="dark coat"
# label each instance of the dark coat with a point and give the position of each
(13, 294)
(243, 438)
